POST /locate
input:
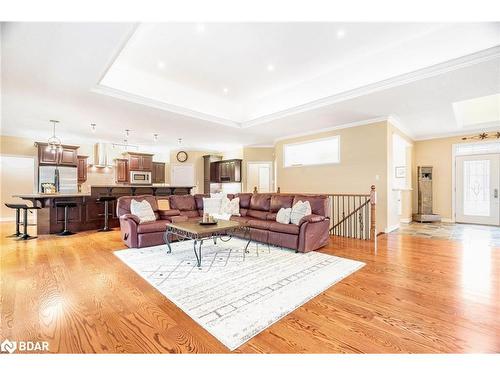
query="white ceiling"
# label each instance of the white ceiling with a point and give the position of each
(169, 79)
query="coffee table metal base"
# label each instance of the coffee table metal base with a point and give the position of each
(198, 239)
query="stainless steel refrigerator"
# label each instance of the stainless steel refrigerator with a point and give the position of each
(65, 179)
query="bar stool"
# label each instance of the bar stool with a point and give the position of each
(106, 199)
(66, 206)
(25, 224)
(18, 207)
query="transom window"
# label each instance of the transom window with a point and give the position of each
(315, 152)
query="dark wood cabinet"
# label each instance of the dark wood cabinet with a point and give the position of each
(225, 171)
(140, 162)
(82, 168)
(158, 174)
(66, 156)
(121, 170)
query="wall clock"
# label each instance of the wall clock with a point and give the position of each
(182, 156)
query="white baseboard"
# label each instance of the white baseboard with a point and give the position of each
(406, 220)
(447, 220)
(392, 228)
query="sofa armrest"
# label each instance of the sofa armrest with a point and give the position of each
(130, 217)
(313, 218)
(166, 214)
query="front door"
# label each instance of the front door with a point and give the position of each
(477, 185)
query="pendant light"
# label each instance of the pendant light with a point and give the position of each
(54, 143)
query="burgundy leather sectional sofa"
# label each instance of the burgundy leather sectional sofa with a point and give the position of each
(258, 211)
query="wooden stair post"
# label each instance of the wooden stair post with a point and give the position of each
(373, 216)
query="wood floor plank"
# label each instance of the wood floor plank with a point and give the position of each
(415, 295)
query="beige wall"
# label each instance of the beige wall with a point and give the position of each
(196, 159)
(438, 154)
(393, 218)
(363, 157)
(255, 154)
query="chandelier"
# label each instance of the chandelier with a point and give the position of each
(54, 143)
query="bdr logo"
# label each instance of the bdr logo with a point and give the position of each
(8, 346)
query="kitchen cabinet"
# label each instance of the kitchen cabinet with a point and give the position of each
(140, 162)
(66, 156)
(121, 170)
(158, 174)
(82, 168)
(225, 171)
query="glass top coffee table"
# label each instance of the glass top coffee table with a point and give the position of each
(193, 230)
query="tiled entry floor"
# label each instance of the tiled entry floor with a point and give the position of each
(460, 232)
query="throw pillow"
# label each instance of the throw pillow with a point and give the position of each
(283, 215)
(230, 206)
(211, 206)
(142, 210)
(299, 210)
(219, 195)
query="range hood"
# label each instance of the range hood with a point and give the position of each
(101, 155)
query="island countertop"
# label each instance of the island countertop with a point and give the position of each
(52, 195)
(88, 211)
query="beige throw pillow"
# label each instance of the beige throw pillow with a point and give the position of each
(142, 210)
(299, 210)
(230, 206)
(283, 215)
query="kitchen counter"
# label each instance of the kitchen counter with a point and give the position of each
(47, 196)
(88, 213)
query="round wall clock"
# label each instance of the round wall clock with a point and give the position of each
(182, 156)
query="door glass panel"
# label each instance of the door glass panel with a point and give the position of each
(476, 187)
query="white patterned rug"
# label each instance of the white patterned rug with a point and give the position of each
(235, 296)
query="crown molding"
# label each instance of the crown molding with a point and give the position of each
(430, 71)
(458, 133)
(119, 94)
(444, 67)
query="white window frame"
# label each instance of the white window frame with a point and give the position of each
(311, 141)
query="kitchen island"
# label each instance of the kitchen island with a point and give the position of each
(89, 213)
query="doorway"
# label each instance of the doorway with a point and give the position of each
(477, 189)
(259, 175)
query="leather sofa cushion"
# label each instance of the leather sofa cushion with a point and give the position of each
(271, 216)
(155, 226)
(244, 199)
(243, 211)
(262, 215)
(182, 202)
(240, 219)
(319, 203)
(198, 198)
(261, 202)
(281, 201)
(284, 228)
(192, 213)
(259, 224)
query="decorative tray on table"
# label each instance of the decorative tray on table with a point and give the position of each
(207, 222)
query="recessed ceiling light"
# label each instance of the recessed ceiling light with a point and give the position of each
(340, 34)
(200, 27)
(270, 67)
(225, 90)
(160, 65)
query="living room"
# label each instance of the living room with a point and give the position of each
(250, 186)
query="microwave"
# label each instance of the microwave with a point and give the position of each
(139, 177)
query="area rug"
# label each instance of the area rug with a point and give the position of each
(234, 295)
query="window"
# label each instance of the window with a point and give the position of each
(477, 148)
(321, 151)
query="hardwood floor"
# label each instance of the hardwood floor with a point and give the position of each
(416, 295)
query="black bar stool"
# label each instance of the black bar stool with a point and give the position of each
(25, 224)
(18, 207)
(66, 206)
(106, 199)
